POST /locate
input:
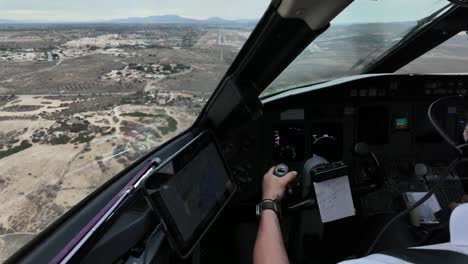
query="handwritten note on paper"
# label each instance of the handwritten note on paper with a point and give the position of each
(425, 213)
(334, 199)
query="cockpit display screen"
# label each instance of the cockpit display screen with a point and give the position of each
(288, 143)
(400, 123)
(327, 140)
(194, 185)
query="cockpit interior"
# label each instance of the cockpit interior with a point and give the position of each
(371, 130)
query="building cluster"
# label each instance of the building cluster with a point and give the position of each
(22, 55)
(106, 41)
(152, 71)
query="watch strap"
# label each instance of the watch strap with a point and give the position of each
(268, 204)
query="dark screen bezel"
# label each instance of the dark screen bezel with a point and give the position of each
(181, 246)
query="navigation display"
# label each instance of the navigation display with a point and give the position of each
(197, 186)
(327, 141)
(373, 125)
(288, 143)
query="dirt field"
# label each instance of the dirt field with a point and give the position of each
(46, 180)
(79, 104)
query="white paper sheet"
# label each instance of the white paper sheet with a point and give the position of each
(334, 199)
(425, 212)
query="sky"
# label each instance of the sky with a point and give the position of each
(92, 10)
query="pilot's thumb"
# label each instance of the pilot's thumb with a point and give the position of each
(290, 176)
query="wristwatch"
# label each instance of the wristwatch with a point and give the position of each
(268, 204)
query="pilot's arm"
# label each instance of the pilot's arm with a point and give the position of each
(269, 247)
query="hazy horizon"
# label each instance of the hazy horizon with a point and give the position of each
(118, 20)
(122, 18)
(53, 11)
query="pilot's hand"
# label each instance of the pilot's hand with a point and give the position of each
(273, 186)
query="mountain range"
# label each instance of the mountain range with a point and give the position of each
(175, 19)
(163, 19)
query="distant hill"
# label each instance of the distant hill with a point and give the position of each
(164, 19)
(175, 19)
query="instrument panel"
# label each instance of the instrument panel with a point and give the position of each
(289, 142)
(330, 121)
(389, 113)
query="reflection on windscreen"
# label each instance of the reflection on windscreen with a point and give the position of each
(80, 101)
(338, 52)
(448, 57)
(355, 39)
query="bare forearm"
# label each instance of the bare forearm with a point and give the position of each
(269, 247)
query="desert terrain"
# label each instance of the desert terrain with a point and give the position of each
(79, 103)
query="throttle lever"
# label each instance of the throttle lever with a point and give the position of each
(280, 170)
